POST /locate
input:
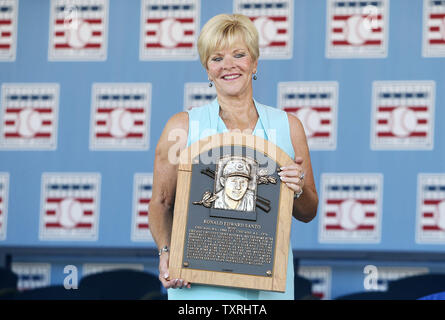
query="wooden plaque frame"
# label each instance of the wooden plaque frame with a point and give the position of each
(274, 282)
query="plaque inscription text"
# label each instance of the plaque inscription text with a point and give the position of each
(232, 242)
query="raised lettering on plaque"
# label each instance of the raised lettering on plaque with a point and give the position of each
(232, 214)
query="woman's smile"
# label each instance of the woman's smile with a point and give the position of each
(231, 76)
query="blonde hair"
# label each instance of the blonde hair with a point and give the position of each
(222, 31)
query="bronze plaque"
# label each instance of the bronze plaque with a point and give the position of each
(232, 214)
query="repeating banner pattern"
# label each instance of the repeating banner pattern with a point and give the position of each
(87, 87)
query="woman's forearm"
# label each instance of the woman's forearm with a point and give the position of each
(160, 219)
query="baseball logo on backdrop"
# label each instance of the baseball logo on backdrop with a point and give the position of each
(29, 116)
(120, 116)
(69, 206)
(32, 275)
(351, 208)
(4, 188)
(93, 268)
(274, 22)
(78, 30)
(320, 277)
(430, 222)
(357, 29)
(142, 188)
(197, 94)
(315, 104)
(8, 29)
(169, 29)
(402, 115)
(433, 28)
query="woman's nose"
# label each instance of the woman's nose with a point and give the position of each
(228, 62)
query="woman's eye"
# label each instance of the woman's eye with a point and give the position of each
(216, 59)
(240, 55)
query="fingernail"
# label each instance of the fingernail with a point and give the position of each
(166, 275)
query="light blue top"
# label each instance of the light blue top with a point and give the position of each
(272, 125)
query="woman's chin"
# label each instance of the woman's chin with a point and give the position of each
(232, 93)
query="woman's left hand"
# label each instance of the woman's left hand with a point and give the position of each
(293, 176)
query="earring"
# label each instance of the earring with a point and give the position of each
(254, 76)
(210, 83)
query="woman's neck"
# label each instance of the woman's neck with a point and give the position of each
(238, 113)
(235, 104)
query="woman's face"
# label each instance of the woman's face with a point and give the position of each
(231, 70)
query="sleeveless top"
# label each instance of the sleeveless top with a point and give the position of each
(272, 125)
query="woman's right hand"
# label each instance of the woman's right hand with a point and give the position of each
(164, 276)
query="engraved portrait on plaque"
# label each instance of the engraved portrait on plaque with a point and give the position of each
(235, 185)
(235, 182)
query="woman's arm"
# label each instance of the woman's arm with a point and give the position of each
(173, 139)
(305, 207)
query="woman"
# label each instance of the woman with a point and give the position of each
(228, 49)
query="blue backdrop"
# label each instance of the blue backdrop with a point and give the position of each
(87, 87)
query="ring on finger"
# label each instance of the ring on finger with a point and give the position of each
(298, 194)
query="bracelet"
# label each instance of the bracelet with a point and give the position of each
(298, 194)
(164, 249)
